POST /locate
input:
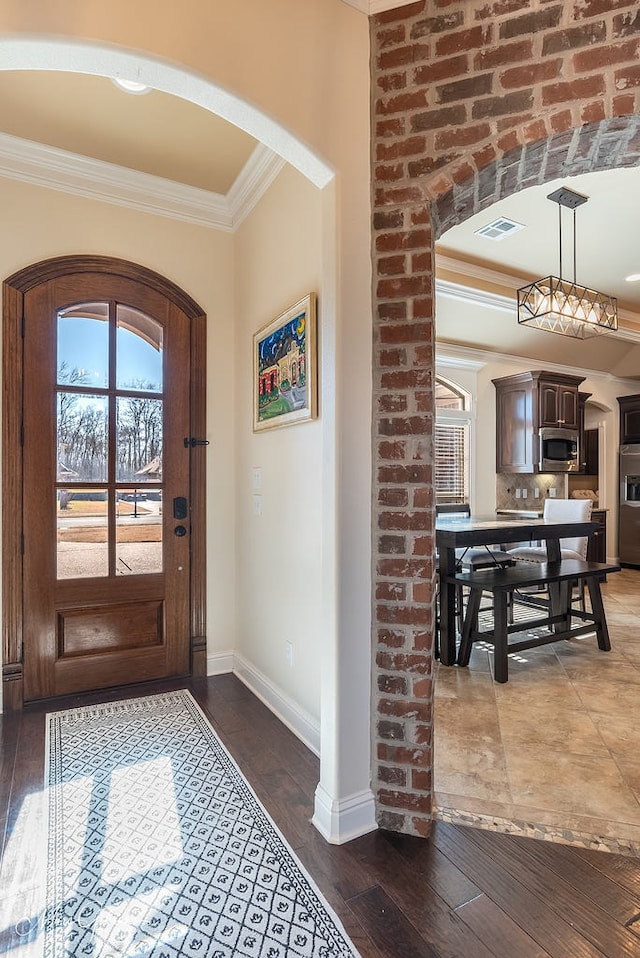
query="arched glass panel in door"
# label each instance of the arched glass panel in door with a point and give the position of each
(110, 412)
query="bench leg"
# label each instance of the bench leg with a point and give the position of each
(500, 660)
(560, 604)
(470, 622)
(597, 610)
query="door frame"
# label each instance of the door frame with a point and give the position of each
(13, 292)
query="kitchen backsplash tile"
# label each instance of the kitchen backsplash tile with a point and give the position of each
(519, 491)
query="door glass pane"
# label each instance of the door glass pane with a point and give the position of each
(82, 548)
(83, 345)
(138, 439)
(138, 351)
(82, 437)
(138, 531)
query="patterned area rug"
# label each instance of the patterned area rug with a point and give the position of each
(159, 847)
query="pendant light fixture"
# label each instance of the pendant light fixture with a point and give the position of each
(563, 306)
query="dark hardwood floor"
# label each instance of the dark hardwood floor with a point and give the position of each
(464, 893)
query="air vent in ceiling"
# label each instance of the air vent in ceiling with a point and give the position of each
(498, 229)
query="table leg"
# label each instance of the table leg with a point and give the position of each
(558, 602)
(446, 568)
(500, 660)
(597, 610)
(470, 623)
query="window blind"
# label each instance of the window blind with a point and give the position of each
(450, 462)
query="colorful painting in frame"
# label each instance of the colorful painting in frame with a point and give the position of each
(285, 368)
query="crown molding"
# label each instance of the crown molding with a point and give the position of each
(452, 355)
(252, 183)
(42, 165)
(474, 271)
(379, 6)
(449, 356)
(471, 294)
(477, 297)
(371, 7)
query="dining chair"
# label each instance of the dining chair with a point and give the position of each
(572, 510)
(569, 510)
(485, 557)
(468, 559)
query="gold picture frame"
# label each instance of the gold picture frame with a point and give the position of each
(285, 368)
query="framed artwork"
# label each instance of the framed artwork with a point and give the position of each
(285, 368)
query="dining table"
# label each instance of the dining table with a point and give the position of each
(459, 532)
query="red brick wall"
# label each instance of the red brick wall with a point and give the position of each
(471, 100)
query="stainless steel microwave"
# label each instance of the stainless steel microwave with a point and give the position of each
(559, 451)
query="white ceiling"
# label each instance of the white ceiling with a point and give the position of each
(607, 223)
(477, 278)
(607, 251)
(153, 133)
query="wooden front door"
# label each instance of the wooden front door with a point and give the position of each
(107, 489)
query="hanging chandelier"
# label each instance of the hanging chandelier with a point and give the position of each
(563, 306)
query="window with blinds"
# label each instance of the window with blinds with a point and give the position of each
(451, 462)
(451, 445)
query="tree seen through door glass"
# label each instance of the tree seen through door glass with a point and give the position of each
(109, 433)
(83, 440)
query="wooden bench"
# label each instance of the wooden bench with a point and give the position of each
(558, 578)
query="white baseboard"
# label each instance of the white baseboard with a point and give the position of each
(340, 822)
(301, 723)
(337, 821)
(218, 663)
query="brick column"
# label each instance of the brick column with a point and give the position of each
(471, 101)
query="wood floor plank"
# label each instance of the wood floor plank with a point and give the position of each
(523, 863)
(555, 934)
(497, 930)
(224, 715)
(345, 871)
(9, 733)
(289, 807)
(22, 866)
(389, 927)
(451, 884)
(623, 870)
(412, 893)
(595, 885)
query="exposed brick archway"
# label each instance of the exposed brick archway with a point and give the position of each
(609, 144)
(472, 100)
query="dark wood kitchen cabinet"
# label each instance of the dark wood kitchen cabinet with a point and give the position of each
(629, 419)
(558, 404)
(591, 452)
(526, 402)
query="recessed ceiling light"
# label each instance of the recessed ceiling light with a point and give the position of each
(131, 86)
(632, 278)
(498, 229)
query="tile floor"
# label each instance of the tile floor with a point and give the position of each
(554, 752)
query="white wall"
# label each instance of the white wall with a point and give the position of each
(295, 75)
(38, 223)
(279, 553)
